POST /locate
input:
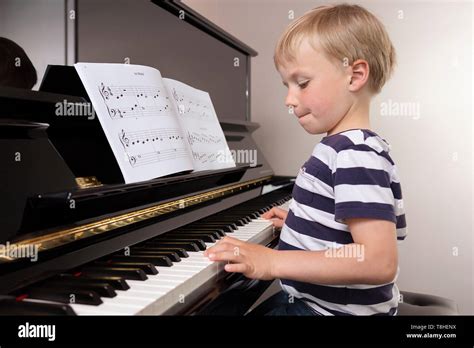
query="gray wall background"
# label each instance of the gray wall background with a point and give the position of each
(38, 26)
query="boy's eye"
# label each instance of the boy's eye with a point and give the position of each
(303, 84)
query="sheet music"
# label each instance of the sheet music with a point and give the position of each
(203, 133)
(138, 118)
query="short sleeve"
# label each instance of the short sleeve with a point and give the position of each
(362, 186)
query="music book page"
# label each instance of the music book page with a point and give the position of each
(143, 125)
(202, 131)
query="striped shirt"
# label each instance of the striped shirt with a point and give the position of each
(349, 175)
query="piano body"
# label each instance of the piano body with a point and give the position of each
(76, 240)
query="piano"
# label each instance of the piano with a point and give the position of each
(76, 240)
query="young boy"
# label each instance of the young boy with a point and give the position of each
(338, 246)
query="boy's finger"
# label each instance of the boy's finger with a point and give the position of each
(225, 256)
(277, 222)
(236, 267)
(221, 246)
(280, 212)
(267, 214)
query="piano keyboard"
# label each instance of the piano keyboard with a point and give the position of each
(158, 276)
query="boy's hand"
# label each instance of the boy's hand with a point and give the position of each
(253, 260)
(277, 215)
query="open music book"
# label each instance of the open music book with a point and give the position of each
(155, 126)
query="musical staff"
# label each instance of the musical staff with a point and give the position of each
(189, 106)
(206, 157)
(130, 138)
(134, 101)
(148, 158)
(118, 92)
(203, 138)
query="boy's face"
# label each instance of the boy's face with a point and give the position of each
(317, 90)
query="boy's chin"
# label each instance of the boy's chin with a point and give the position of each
(313, 130)
(312, 125)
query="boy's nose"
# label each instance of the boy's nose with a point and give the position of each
(290, 101)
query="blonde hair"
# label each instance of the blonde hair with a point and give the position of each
(345, 33)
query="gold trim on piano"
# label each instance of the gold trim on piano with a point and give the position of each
(87, 181)
(62, 237)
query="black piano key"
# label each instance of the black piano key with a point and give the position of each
(188, 246)
(147, 267)
(116, 282)
(180, 251)
(250, 213)
(171, 255)
(229, 217)
(14, 307)
(199, 242)
(156, 260)
(208, 238)
(102, 289)
(216, 232)
(126, 273)
(226, 227)
(233, 222)
(64, 296)
(247, 219)
(226, 215)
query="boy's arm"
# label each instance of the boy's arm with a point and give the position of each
(371, 259)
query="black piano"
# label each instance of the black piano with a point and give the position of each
(77, 240)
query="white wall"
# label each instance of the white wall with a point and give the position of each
(433, 149)
(38, 27)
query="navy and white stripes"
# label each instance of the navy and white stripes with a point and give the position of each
(349, 175)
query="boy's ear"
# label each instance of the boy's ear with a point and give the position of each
(359, 75)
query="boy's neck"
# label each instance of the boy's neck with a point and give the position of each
(356, 117)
